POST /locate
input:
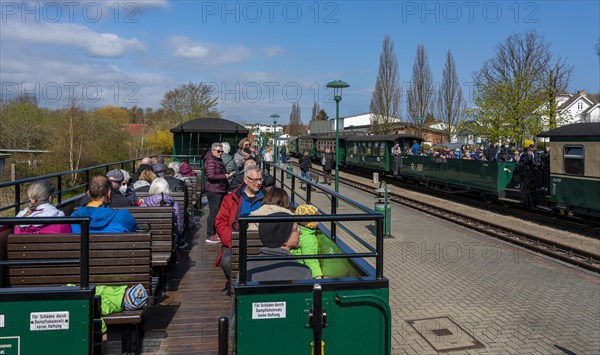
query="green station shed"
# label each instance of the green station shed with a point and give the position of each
(192, 139)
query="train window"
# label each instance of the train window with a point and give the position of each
(574, 160)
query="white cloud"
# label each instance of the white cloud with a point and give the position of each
(208, 53)
(71, 35)
(272, 51)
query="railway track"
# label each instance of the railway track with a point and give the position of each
(562, 252)
(559, 251)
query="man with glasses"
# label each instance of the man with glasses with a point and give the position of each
(215, 187)
(240, 202)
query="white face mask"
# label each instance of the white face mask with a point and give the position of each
(123, 189)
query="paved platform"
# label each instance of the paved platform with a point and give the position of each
(508, 299)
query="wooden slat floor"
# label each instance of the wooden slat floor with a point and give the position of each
(186, 321)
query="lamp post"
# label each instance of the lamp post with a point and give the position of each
(337, 86)
(420, 125)
(275, 117)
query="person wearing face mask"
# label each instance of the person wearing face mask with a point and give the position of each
(117, 199)
(126, 190)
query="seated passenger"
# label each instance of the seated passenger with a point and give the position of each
(160, 196)
(40, 205)
(143, 183)
(145, 164)
(103, 218)
(117, 198)
(185, 169)
(276, 200)
(278, 239)
(309, 244)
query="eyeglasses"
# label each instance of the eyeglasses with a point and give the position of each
(219, 151)
(256, 181)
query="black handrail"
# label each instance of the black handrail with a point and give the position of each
(370, 215)
(59, 176)
(84, 256)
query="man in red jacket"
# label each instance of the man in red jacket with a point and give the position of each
(240, 202)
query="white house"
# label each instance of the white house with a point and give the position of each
(363, 119)
(576, 108)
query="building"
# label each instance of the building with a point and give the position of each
(575, 108)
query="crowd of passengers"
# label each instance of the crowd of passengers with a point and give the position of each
(234, 185)
(504, 152)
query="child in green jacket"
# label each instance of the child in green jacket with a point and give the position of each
(309, 244)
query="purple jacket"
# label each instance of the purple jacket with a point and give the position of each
(214, 173)
(155, 201)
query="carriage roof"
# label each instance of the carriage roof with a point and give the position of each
(587, 129)
(382, 137)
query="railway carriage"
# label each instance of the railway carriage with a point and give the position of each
(374, 152)
(328, 142)
(575, 169)
(307, 143)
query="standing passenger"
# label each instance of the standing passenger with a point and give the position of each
(215, 186)
(305, 165)
(328, 162)
(239, 156)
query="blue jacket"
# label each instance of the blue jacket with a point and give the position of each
(106, 220)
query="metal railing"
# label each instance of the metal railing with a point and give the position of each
(61, 187)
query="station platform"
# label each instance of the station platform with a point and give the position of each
(456, 290)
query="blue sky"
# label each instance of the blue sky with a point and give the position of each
(262, 56)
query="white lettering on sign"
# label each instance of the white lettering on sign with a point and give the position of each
(10, 345)
(2, 316)
(49, 321)
(266, 310)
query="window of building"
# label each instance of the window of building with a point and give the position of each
(580, 105)
(574, 159)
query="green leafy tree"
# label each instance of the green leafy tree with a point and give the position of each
(23, 125)
(511, 86)
(190, 101)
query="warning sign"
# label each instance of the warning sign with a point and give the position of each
(266, 310)
(49, 321)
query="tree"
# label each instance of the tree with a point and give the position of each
(190, 101)
(160, 140)
(420, 93)
(510, 87)
(315, 111)
(118, 115)
(295, 125)
(385, 102)
(23, 125)
(322, 116)
(451, 105)
(556, 80)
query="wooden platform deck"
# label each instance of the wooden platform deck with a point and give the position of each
(186, 321)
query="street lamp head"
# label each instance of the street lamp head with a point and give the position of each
(274, 117)
(337, 86)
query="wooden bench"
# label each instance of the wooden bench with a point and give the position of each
(114, 259)
(160, 221)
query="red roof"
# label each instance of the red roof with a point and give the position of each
(137, 129)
